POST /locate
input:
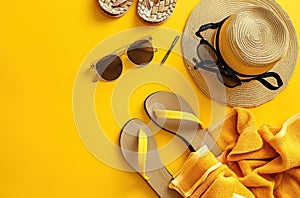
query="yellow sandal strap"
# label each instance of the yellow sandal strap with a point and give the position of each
(142, 152)
(178, 115)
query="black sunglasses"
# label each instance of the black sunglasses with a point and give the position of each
(212, 60)
(109, 68)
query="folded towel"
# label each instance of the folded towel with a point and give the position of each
(262, 162)
(203, 176)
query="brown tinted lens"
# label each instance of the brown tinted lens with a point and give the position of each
(229, 79)
(109, 67)
(140, 52)
(205, 52)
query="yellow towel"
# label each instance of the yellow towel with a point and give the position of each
(262, 162)
(203, 176)
(266, 160)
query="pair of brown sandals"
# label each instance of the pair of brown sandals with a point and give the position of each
(172, 113)
(152, 11)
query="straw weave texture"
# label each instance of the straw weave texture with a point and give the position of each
(252, 93)
(155, 11)
(257, 30)
(115, 11)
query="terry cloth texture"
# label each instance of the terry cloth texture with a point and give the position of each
(262, 162)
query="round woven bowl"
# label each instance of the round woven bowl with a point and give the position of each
(155, 11)
(252, 93)
(108, 7)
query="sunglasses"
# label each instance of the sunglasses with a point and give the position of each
(212, 60)
(109, 68)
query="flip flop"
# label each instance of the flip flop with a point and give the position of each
(115, 8)
(155, 11)
(139, 149)
(172, 113)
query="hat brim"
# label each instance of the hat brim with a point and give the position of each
(248, 94)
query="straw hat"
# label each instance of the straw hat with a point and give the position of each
(257, 37)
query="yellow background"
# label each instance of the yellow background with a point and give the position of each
(42, 44)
